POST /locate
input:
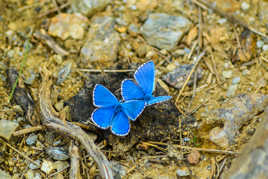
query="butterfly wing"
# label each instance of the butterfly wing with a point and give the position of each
(133, 108)
(120, 124)
(131, 91)
(102, 117)
(144, 76)
(158, 99)
(102, 97)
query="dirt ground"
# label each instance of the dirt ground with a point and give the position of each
(51, 59)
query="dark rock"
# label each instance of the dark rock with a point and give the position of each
(177, 77)
(21, 96)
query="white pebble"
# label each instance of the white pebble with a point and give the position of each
(260, 43)
(245, 6)
(265, 47)
(227, 74)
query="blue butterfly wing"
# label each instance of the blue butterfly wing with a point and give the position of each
(131, 91)
(133, 108)
(102, 117)
(158, 99)
(144, 76)
(102, 97)
(120, 124)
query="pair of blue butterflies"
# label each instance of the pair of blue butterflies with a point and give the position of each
(136, 96)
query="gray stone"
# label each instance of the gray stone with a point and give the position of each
(177, 77)
(33, 166)
(31, 139)
(57, 153)
(88, 7)
(7, 127)
(64, 72)
(235, 112)
(236, 80)
(252, 161)
(164, 31)
(102, 42)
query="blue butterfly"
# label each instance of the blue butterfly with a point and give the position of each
(113, 113)
(143, 89)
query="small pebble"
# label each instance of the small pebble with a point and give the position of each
(31, 174)
(236, 80)
(182, 172)
(47, 166)
(7, 128)
(265, 47)
(231, 90)
(133, 30)
(31, 139)
(88, 7)
(219, 137)
(245, 6)
(118, 169)
(260, 43)
(245, 72)
(222, 21)
(33, 166)
(60, 165)
(57, 153)
(227, 74)
(186, 139)
(194, 157)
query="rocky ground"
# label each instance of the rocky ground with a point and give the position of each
(210, 56)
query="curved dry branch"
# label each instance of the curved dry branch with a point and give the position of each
(51, 121)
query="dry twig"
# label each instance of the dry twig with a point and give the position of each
(51, 43)
(28, 130)
(53, 122)
(75, 167)
(208, 150)
(189, 76)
